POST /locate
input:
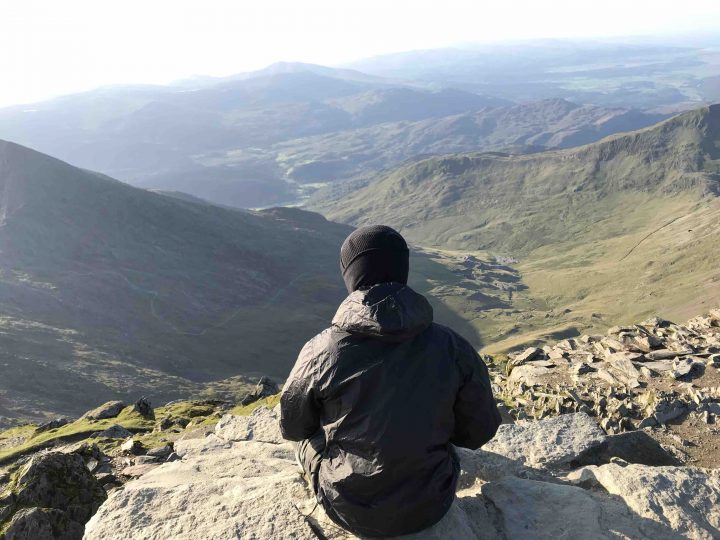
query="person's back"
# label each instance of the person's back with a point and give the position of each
(383, 395)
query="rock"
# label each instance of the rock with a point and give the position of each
(53, 491)
(41, 524)
(139, 470)
(92, 465)
(632, 447)
(265, 388)
(713, 361)
(108, 410)
(106, 478)
(684, 499)
(529, 374)
(133, 447)
(143, 407)
(643, 344)
(164, 424)
(581, 369)
(557, 354)
(672, 412)
(650, 421)
(52, 424)
(261, 425)
(530, 509)
(605, 375)
(615, 330)
(656, 322)
(551, 443)
(113, 432)
(712, 408)
(144, 460)
(622, 363)
(161, 452)
(684, 367)
(531, 353)
(226, 489)
(665, 354)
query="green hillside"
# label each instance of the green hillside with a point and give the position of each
(613, 231)
(109, 291)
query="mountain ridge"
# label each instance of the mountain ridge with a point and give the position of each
(103, 283)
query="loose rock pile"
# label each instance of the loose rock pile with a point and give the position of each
(555, 478)
(639, 376)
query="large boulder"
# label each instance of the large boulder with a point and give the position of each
(546, 510)
(550, 443)
(242, 481)
(684, 499)
(107, 410)
(53, 491)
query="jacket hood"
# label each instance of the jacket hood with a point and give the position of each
(389, 311)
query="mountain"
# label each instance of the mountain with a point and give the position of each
(361, 152)
(632, 73)
(108, 291)
(112, 291)
(166, 137)
(619, 228)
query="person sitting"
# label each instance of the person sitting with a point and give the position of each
(379, 399)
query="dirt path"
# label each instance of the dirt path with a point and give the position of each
(649, 235)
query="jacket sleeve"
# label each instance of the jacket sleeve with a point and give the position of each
(299, 403)
(476, 415)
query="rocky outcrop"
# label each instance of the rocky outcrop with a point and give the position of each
(107, 410)
(264, 388)
(52, 496)
(242, 482)
(655, 374)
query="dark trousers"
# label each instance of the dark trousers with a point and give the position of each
(309, 453)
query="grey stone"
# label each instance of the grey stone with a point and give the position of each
(113, 432)
(161, 452)
(133, 447)
(107, 410)
(529, 354)
(53, 491)
(42, 524)
(52, 424)
(671, 413)
(684, 499)
(632, 447)
(665, 354)
(530, 509)
(264, 388)
(529, 374)
(143, 407)
(143, 460)
(261, 425)
(139, 470)
(552, 442)
(682, 367)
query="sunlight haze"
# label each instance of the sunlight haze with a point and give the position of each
(54, 48)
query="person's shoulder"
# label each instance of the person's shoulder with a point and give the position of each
(456, 341)
(317, 344)
(448, 332)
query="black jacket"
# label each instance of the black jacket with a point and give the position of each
(393, 392)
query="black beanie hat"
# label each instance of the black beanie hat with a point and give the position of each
(372, 255)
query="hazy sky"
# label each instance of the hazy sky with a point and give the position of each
(52, 47)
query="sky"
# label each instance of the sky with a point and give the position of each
(54, 47)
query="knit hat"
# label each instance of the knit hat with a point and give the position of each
(372, 255)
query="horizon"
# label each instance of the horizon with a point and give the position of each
(75, 47)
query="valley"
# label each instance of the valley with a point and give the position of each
(603, 234)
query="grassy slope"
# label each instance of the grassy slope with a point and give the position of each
(111, 292)
(606, 233)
